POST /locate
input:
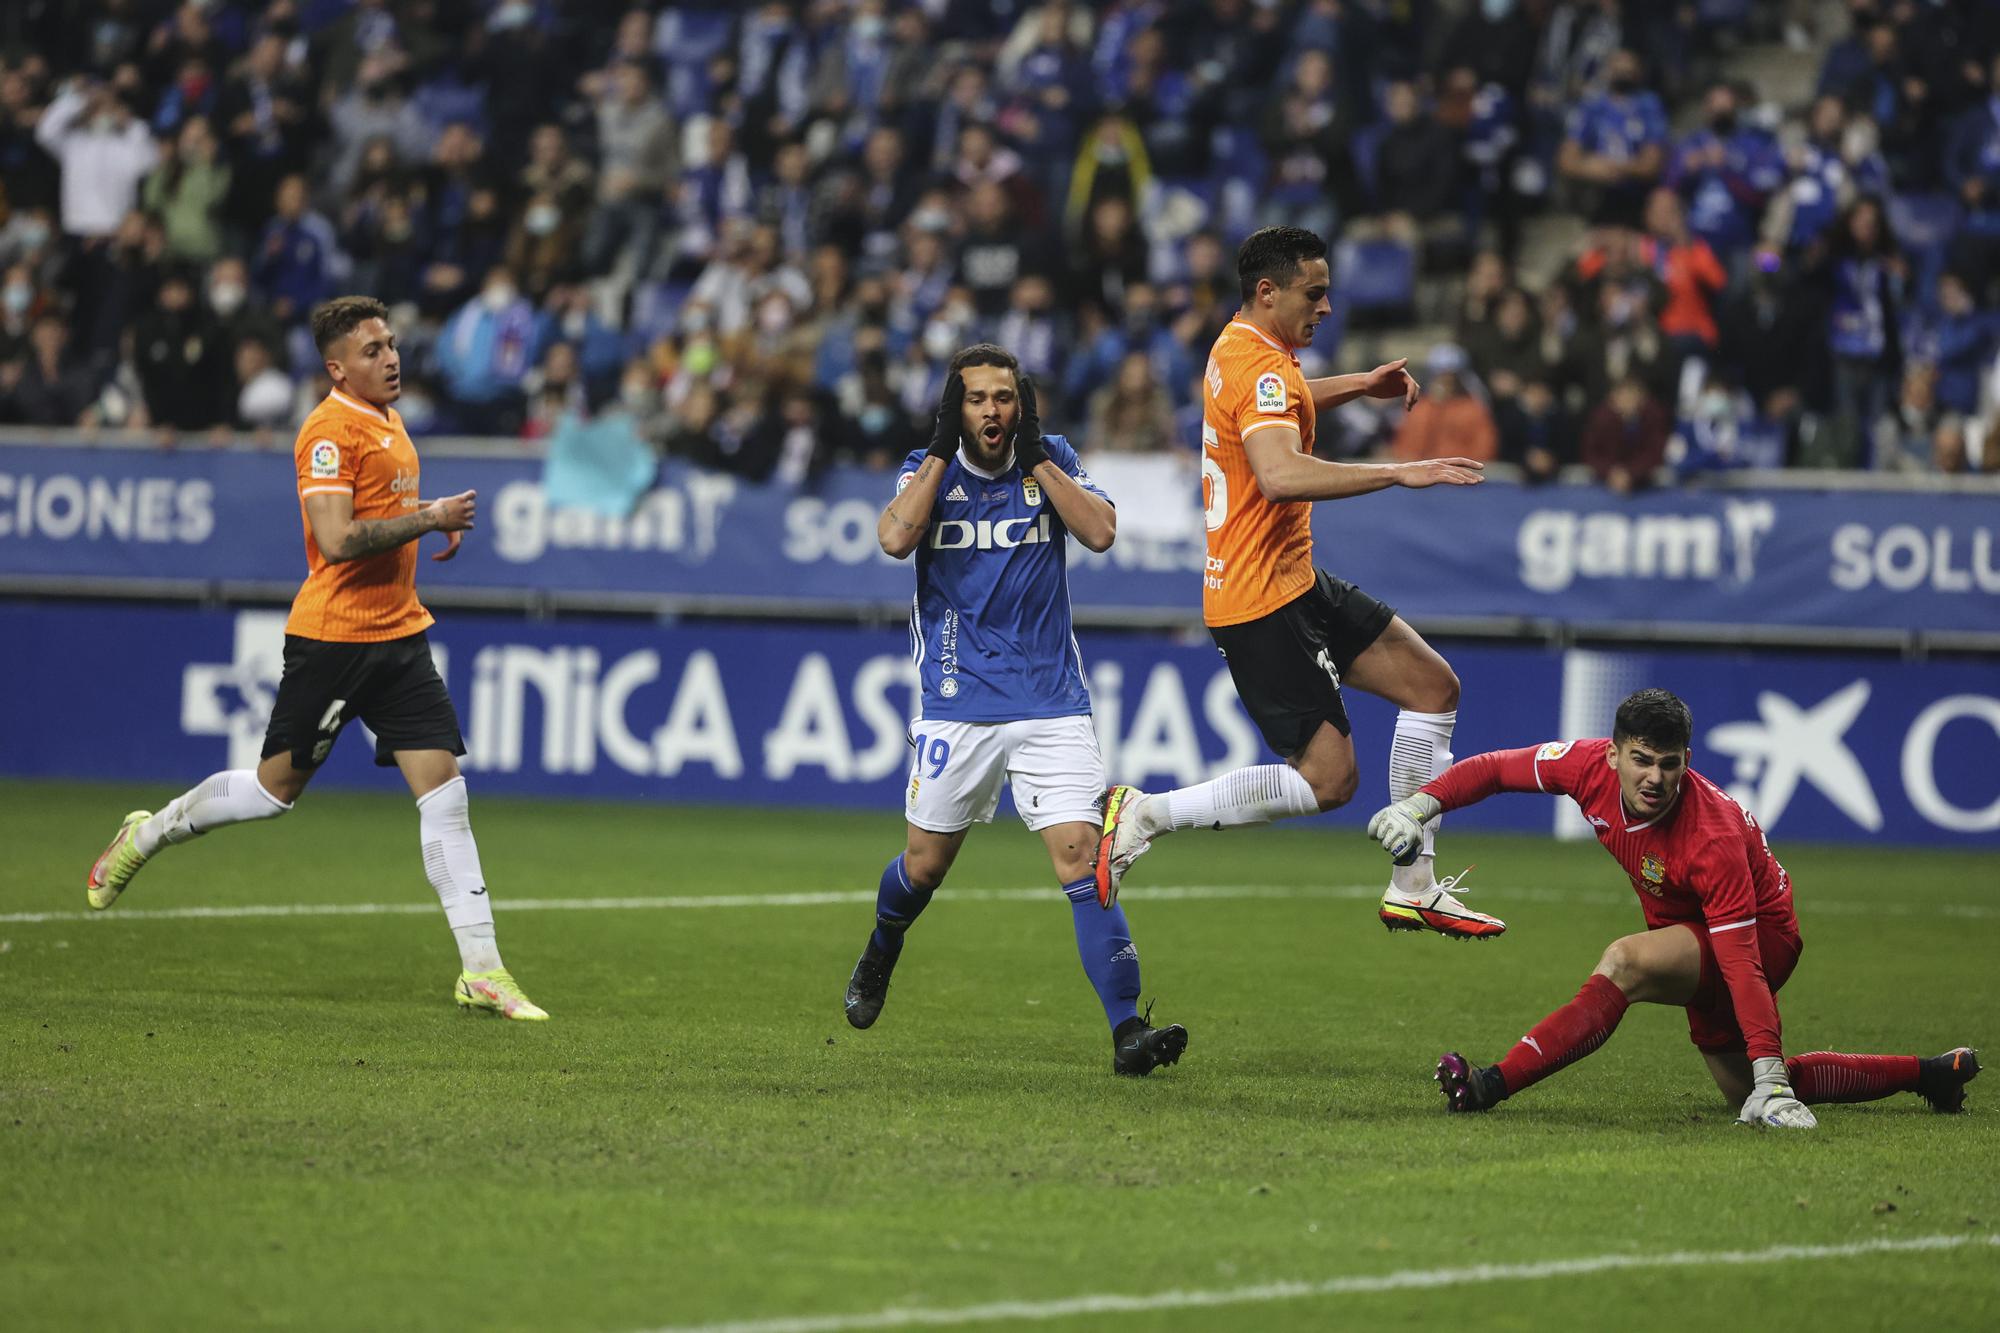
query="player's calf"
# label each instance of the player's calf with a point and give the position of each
(221, 799)
(899, 900)
(1820, 1077)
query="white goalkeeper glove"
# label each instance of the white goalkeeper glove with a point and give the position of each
(1400, 827)
(1771, 1102)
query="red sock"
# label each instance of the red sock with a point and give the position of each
(1565, 1036)
(1828, 1076)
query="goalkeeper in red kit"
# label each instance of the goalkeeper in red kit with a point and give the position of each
(1721, 937)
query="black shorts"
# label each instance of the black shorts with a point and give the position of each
(393, 687)
(1287, 665)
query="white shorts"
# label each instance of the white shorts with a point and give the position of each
(1057, 772)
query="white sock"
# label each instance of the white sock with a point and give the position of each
(231, 797)
(1420, 752)
(1255, 795)
(451, 861)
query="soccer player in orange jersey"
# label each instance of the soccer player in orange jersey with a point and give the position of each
(355, 647)
(1292, 634)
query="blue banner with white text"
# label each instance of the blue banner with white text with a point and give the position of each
(1814, 560)
(1819, 747)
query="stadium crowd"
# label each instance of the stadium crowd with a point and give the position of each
(760, 230)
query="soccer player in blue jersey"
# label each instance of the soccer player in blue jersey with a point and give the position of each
(987, 511)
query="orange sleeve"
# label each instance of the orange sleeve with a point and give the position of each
(1259, 395)
(326, 456)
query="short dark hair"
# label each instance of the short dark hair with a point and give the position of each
(335, 319)
(985, 354)
(1274, 253)
(1656, 717)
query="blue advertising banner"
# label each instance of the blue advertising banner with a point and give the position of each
(1820, 748)
(1898, 561)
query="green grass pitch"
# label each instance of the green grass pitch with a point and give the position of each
(283, 1121)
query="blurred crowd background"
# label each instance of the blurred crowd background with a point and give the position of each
(754, 233)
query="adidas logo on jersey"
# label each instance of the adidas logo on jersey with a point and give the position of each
(957, 493)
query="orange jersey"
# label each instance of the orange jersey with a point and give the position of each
(353, 448)
(1259, 551)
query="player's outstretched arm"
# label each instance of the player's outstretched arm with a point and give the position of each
(1285, 473)
(341, 537)
(1387, 381)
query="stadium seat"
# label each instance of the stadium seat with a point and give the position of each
(1379, 281)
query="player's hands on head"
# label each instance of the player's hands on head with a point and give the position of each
(1393, 381)
(1440, 472)
(1400, 827)
(456, 513)
(950, 420)
(1772, 1104)
(1029, 450)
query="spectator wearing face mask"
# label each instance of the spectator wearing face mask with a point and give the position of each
(264, 402)
(187, 192)
(1614, 145)
(483, 353)
(1726, 172)
(543, 245)
(28, 238)
(236, 315)
(103, 151)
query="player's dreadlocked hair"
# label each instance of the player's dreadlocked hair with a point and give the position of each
(1275, 253)
(985, 354)
(335, 319)
(1656, 717)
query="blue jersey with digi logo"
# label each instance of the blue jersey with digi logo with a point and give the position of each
(990, 627)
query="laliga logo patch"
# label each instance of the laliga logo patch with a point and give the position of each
(1653, 868)
(1271, 392)
(949, 689)
(903, 482)
(1553, 750)
(915, 783)
(326, 459)
(1031, 490)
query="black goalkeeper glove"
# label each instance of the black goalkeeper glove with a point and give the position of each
(950, 420)
(1028, 447)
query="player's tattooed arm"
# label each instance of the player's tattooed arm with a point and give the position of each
(342, 537)
(908, 516)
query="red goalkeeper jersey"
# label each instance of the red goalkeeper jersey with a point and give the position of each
(1704, 862)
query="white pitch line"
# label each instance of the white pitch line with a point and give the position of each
(1610, 897)
(1407, 1279)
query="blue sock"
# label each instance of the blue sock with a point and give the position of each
(897, 904)
(1104, 943)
